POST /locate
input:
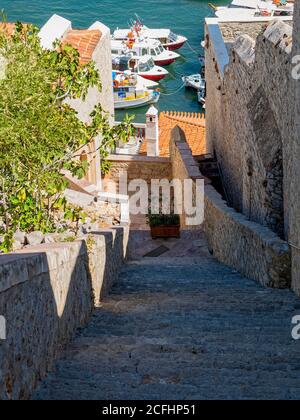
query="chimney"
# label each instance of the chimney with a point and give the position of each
(152, 132)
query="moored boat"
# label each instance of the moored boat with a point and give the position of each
(142, 47)
(131, 92)
(168, 39)
(143, 66)
(254, 8)
(195, 81)
(201, 98)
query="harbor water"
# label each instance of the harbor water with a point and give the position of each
(184, 17)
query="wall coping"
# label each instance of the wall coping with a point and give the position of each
(55, 28)
(138, 158)
(216, 20)
(265, 234)
(218, 44)
(21, 266)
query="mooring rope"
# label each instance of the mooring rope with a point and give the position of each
(173, 93)
(192, 49)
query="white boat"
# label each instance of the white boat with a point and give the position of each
(169, 39)
(195, 81)
(143, 66)
(130, 91)
(201, 98)
(142, 47)
(254, 8)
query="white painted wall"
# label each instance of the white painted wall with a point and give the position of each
(55, 29)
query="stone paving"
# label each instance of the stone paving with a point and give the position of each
(182, 326)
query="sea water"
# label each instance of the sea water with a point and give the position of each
(184, 17)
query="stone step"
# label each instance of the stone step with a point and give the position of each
(182, 328)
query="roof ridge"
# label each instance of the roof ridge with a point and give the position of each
(84, 30)
(183, 117)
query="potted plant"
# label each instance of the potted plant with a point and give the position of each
(164, 225)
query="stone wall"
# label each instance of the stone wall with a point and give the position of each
(137, 167)
(249, 122)
(254, 250)
(294, 228)
(232, 30)
(46, 293)
(184, 167)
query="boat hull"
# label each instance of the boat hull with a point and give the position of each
(154, 77)
(136, 103)
(174, 46)
(165, 62)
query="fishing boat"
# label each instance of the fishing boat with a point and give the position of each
(131, 92)
(143, 66)
(169, 40)
(142, 47)
(195, 81)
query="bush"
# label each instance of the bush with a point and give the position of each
(40, 134)
(154, 220)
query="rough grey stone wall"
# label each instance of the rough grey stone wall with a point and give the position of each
(232, 30)
(184, 166)
(254, 250)
(249, 124)
(46, 293)
(294, 231)
(137, 167)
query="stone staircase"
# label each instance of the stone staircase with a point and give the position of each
(182, 326)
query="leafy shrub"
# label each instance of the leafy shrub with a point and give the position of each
(154, 220)
(40, 134)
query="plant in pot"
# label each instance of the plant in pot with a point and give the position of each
(164, 225)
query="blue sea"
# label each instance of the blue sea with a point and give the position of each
(182, 16)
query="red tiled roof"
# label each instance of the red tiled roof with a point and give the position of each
(193, 126)
(85, 41)
(7, 28)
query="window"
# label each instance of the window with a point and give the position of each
(173, 37)
(143, 67)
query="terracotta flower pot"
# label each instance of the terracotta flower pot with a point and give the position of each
(165, 231)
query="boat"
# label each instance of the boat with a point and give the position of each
(142, 47)
(169, 40)
(143, 66)
(254, 8)
(195, 81)
(201, 93)
(130, 91)
(201, 98)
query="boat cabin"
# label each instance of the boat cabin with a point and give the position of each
(151, 47)
(130, 62)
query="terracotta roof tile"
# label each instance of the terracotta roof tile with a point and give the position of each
(193, 126)
(85, 41)
(7, 28)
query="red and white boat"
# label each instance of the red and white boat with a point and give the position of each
(169, 40)
(142, 47)
(143, 66)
